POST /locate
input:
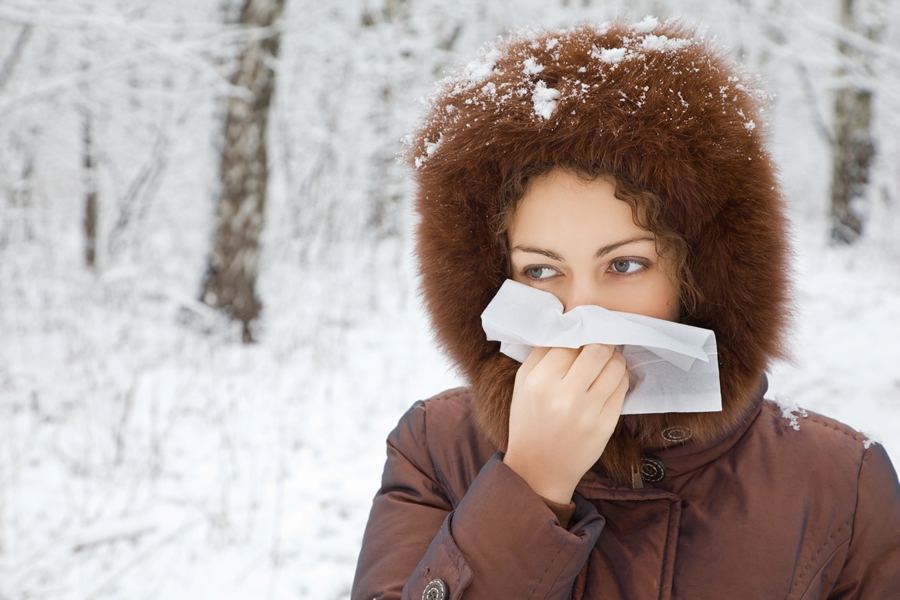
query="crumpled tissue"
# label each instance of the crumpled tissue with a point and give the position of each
(671, 367)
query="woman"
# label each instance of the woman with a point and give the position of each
(622, 167)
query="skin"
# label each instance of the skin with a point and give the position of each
(575, 239)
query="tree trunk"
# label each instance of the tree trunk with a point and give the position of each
(852, 145)
(231, 275)
(90, 195)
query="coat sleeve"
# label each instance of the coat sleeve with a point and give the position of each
(872, 566)
(499, 541)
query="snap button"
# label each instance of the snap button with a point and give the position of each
(676, 434)
(435, 590)
(652, 469)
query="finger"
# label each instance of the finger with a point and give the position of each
(534, 357)
(556, 363)
(588, 365)
(611, 410)
(609, 378)
(614, 402)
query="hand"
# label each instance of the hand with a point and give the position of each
(565, 406)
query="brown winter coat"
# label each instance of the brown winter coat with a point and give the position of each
(750, 506)
(784, 507)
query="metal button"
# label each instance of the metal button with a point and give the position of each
(652, 469)
(677, 434)
(435, 590)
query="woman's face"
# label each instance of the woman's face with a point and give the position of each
(575, 239)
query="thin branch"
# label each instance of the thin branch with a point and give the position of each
(10, 63)
(857, 41)
(141, 187)
(116, 65)
(822, 127)
(186, 53)
(44, 17)
(213, 32)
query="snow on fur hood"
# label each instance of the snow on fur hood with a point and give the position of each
(654, 102)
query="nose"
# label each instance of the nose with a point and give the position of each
(582, 292)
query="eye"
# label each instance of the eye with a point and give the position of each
(625, 266)
(539, 272)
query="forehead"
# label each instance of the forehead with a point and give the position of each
(562, 206)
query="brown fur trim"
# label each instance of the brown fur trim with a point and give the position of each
(671, 113)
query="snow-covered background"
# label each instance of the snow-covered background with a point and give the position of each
(145, 452)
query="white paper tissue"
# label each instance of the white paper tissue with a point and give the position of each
(671, 367)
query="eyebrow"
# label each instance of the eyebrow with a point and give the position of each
(607, 249)
(530, 250)
(601, 252)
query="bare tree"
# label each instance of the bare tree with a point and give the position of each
(90, 195)
(853, 147)
(231, 273)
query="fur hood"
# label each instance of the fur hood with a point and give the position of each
(654, 102)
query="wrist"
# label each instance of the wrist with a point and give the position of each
(545, 481)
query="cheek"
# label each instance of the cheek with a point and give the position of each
(659, 300)
(665, 293)
(669, 301)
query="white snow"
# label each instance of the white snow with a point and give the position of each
(610, 55)
(791, 411)
(662, 43)
(544, 100)
(431, 147)
(648, 24)
(531, 66)
(481, 68)
(636, 46)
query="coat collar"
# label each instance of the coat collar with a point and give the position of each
(678, 460)
(688, 457)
